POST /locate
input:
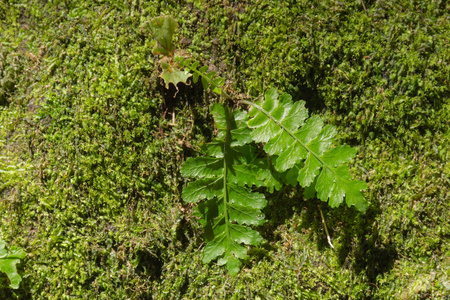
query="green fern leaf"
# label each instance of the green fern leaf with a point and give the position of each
(162, 29)
(268, 175)
(303, 147)
(174, 76)
(228, 206)
(8, 262)
(202, 189)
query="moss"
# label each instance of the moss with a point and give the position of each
(92, 188)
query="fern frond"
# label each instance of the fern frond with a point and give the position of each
(224, 180)
(302, 147)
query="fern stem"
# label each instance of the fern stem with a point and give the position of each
(225, 174)
(225, 190)
(326, 229)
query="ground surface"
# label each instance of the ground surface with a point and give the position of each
(90, 183)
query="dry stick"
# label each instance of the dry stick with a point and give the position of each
(326, 229)
(362, 2)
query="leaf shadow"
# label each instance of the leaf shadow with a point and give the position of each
(182, 93)
(358, 246)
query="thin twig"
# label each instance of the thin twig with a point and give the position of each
(326, 229)
(362, 2)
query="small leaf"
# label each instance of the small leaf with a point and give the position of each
(310, 130)
(202, 189)
(233, 265)
(242, 136)
(246, 215)
(354, 196)
(217, 84)
(309, 172)
(211, 74)
(291, 175)
(174, 76)
(291, 156)
(245, 235)
(219, 81)
(214, 149)
(339, 155)
(221, 116)
(324, 140)
(245, 197)
(296, 117)
(244, 175)
(202, 167)
(162, 29)
(269, 176)
(324, 184)
(215, 248)
(8, 262)
(271, 97)
(278, 143)
(195, 77)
